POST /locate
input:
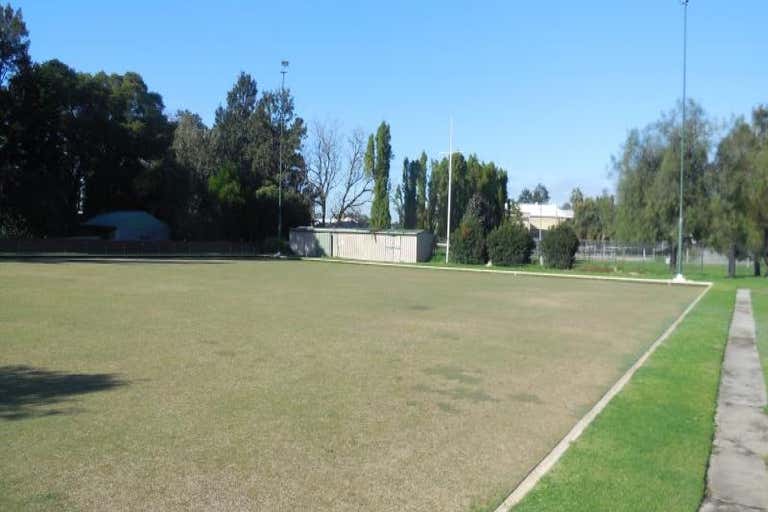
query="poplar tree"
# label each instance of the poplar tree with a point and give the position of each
(422, 222)
(377, 158)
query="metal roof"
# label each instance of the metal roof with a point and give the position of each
(409, 232)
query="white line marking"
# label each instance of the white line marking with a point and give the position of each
(514, 272)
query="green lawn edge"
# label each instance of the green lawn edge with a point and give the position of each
(760, 310)
(649, 449)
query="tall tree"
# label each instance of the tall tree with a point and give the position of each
(729, 182)
(14, 43)
(421, 194)
(356, 184)
(406, 194)
(757, 212)
(192, 151)
(593, 217)
(461, 190)
(539, 195)
(377, 159)
(489, 183)
(648, 173)
(324, 159)
(247, 142)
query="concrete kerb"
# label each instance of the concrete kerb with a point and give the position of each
(550, 460)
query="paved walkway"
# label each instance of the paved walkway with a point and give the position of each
(737, 479)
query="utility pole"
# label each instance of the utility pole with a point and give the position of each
(283, 71)
(679, 276)
(450, 176)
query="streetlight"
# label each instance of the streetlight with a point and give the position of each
(283, 71)
(679, 277)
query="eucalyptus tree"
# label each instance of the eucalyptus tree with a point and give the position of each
(648, 184)
(729, 183)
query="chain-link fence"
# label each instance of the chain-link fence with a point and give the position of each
(596, 251)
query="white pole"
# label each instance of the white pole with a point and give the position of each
(450, 175)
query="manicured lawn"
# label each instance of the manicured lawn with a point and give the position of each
(760, 310)
(269, 385)
(648, 451)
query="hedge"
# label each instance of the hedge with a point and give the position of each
(510, 243)
(468, 241)
(559, 246)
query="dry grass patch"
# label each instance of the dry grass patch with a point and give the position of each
(268, 385)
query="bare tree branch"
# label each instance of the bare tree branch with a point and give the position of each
(324, 164)
(357, 184)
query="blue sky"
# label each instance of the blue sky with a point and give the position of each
(546, 89)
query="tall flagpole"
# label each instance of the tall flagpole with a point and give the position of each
(450, 176)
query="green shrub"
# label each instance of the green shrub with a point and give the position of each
(468, 241)
(559, 246)
(510, 243)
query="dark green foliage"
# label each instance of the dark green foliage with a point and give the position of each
(471, 178)
(410, 196)
(594, 217)
(559, 246)
(377, 158)
(648, 186)
(510, 243)
(468, 241)
(421, 193)
(14, 42)
(76, 144)
(539, 195)
(76, 141)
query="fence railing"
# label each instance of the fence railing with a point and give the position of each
(75, 246)
(596, 251)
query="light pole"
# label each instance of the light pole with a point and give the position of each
(679, 276)
(450, 175)
(283, 71)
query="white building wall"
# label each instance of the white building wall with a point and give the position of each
(393, 248)
(390, 247)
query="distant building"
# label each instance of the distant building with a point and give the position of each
(543, 217)
(124, 226)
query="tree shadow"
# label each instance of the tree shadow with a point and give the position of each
(27, 392)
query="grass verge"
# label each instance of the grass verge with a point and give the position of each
(650, 447)
(760, 310)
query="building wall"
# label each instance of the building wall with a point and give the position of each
(310, 243)
(359, 245)
(543, 223)
(376, 247)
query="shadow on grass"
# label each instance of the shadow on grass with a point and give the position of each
(25, 392)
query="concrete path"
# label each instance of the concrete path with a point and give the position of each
(737, 479)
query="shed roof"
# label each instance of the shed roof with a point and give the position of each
(408, 232)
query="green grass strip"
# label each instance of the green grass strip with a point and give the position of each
(649, 448)
(760, 310)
